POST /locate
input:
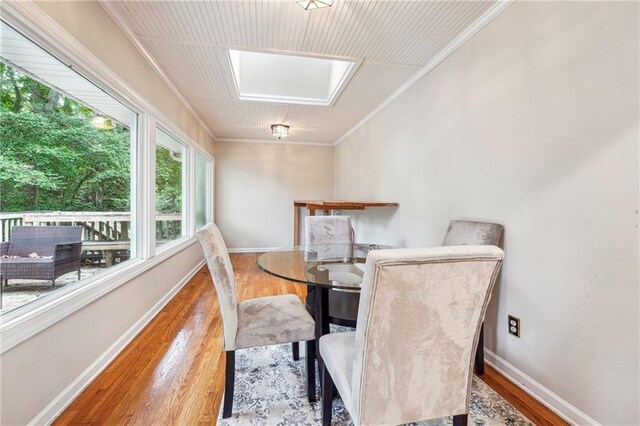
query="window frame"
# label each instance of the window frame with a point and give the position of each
(22, 323)
(187, 210)
(210, 182)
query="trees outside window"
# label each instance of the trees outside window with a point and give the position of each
(170, 186)
(53, 156)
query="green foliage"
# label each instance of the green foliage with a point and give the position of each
(168, 182)
(56, 161)
(53, 158)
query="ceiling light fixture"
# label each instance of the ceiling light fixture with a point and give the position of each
(279, 130)
(314, 4)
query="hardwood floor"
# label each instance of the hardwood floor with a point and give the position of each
(172, 373)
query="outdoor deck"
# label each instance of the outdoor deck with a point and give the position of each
(105, 242)
(21, 292)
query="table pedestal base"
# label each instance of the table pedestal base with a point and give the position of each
(343, 306)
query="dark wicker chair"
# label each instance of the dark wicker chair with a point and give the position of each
(58, 249)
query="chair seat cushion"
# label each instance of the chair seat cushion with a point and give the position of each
(26, 260)
(26, 268)
(273, 320)
(338, 351)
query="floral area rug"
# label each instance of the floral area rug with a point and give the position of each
(270, 389)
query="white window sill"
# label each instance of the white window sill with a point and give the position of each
(23, 323)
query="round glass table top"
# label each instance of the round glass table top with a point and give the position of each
(338, 266)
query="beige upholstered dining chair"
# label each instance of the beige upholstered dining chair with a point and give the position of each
(411, 355)
(467, 232)
(255, 322)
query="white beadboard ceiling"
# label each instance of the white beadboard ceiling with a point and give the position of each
(396, 42)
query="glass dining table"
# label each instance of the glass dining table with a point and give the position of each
(322, 267)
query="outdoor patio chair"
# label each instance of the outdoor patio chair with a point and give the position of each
(41, 253)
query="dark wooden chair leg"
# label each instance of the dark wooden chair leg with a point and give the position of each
(460, 420)
(295, 349)
(229, 381)
(311, 370)
(327, 397)
(479, 361)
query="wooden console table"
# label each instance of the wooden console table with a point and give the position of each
(326, 207)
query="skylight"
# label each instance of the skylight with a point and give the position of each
(275, 77)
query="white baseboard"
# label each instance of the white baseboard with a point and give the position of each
(538, 391)
(253, 249)
(71, 392)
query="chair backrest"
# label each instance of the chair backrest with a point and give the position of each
(418, 326)
(42, 240)
(330, 237)
(466, 232)
(219, 263)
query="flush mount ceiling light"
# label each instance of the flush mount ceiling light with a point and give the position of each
(314, 4)
(279, 130)
(289, 78)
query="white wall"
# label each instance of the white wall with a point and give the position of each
(532, 123)
(256, 185)
(35, 372)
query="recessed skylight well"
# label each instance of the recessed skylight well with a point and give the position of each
(286, 78)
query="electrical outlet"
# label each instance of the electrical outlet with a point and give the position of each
(514, 326)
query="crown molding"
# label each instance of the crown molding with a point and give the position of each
(109, 8)
(472, 30)
(275, 142)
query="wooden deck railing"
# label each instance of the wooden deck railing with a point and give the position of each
(98, 226)
(8, 221)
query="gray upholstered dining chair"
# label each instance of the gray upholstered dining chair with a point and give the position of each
(398, 368)
(255, 322)
(332, 237)
(467, 232)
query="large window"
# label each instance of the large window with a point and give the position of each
(203, 191)
(76, 182)
(170, 188)
(65, 175)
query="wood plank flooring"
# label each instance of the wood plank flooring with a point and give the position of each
(172, 373)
